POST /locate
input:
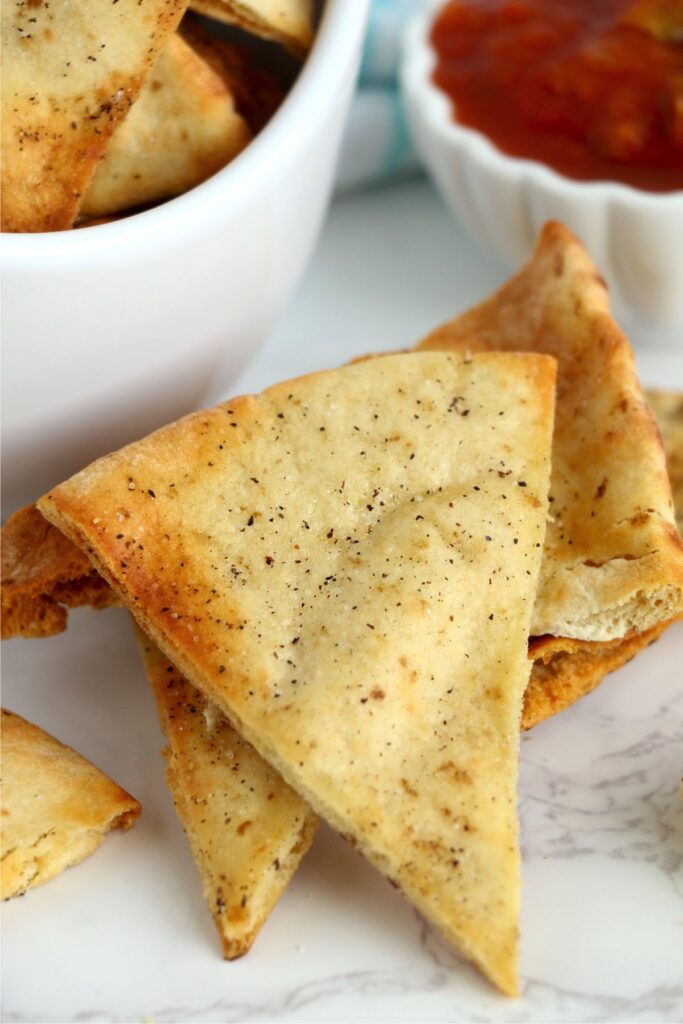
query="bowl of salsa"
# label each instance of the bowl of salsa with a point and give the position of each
(525, 111)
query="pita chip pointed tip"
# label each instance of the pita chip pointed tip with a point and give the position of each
(317, 562)
(247, 842)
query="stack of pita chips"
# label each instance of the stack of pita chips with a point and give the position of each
(346, 566)
(612, 573)
(104, 110)
(346, 588)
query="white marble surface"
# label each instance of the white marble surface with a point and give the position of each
(126, 936)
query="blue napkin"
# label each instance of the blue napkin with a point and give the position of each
(377, 145)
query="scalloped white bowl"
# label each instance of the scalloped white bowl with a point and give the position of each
(113, 330)
(635, 237)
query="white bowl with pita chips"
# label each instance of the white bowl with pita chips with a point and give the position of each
(112, 330)
(635, 237)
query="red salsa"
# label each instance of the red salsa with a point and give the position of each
(592, 88)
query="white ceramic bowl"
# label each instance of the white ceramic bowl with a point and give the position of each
(112, 330)
(635, 237)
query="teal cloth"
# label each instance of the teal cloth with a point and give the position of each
(377, 146)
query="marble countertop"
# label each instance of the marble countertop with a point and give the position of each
(126, 935)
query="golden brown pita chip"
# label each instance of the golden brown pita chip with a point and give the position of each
(613, 559)
(668, 410)
(43, 574)
(246, 828)
(70, 73)
(289, 22)
(56, 806)
(183, 128)
(346, 565)
(566, 670)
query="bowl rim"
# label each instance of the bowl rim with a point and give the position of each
(417, 65)
(339, 26)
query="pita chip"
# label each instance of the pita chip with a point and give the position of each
(346, 566)
(612, 572)
(246, 828)
(613, 558)
(289, 22)
(70, 74)
(43, 574)
(183, 128)
(668, 409)
(57, 807)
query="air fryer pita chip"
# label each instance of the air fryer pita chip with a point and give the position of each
(71, 72)
(183, 128)
(346, 565)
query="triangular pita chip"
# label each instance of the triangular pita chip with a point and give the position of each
(183, 128)
(246, 828)
(56, 806)
(70, 73)
(668, 409)
(346, 565)
(43, 574)
(289, 22)
(613, 559)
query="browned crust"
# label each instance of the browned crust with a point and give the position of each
(565, 670)
(43, 574)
